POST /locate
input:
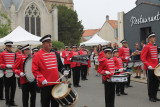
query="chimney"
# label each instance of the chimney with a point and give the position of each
(107, 18)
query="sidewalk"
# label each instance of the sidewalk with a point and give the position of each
(140, 80)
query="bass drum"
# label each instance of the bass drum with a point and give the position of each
(157, 71)
(27, 69)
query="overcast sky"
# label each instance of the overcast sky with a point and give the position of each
(93, 12)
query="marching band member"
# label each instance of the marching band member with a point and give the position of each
(67, 62)
(150, 59)
(1, 82)
(84, 67)
(45, 67)
(75, 66)
(26, 86)
(101, 54)
(35, 50)
(8, 58)
(119, 67)
(107, 69)
(124, 53)
(18, 54)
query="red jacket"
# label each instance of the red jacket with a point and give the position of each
(106, 65)
(18, 54)
(65, 54)
(123, 53)
(149, 55)
(71, 54)
(101, 56)
(7, 58)
(118, 63)
(81, 52)
(18, 67)
(44, 66)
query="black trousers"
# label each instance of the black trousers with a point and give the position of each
(46, 97)
(29, 88)
(76, 75)
(84, 69)
(109, 88)
(120, 87)
(18, 81)
(1, 87)
(153, 84)
(10, 89)
(67, 66)
(129, 80)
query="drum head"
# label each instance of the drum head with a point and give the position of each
(27, 69)
(130, 64)
(1, 73)
(157, 70)
(8, 73)
(60, 90)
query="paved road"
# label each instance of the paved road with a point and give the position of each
(91, 94)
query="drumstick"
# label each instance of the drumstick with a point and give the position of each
(60, 78)
(54, 82)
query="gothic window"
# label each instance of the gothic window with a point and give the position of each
(33, 20)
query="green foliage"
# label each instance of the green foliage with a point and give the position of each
(70, 28)
(5, 28)
(58, 45)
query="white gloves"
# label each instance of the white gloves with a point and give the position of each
(70, 59)
(120, 70)
(9, 66)
(126, 58)
(22, 74)
(129, 59)
(107, 72)
(44, 82)
(150, 67)
(66, 72)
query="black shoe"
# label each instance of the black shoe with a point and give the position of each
(118, 94)
(78, 85)
(13, 104)
(2, 99)
(85, 79)
(152, 99)
(124, 93)
(157, 99)
(129, 86)
(75, 86)
(136, 77)
(139, 76)
(7, 105)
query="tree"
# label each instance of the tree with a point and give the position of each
(70, 28)
(5, 25)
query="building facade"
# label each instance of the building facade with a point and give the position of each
(88, 34)
(109, 30)
(36, 16)
(140, 21)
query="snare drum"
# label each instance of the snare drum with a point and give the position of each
(1, 73)
(27, 69)
(8, 73)
(64, 95)
(130, 64)
(119, 78)
(138, 63)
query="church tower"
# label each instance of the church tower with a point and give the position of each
(67, 3)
